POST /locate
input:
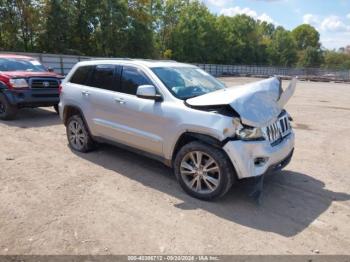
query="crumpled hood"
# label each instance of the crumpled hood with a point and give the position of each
(258, 103)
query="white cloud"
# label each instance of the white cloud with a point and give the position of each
(269, 0)
(311, 19)
(218, 3)
(232, 11)
(334, 30)
(348, 15)
(333, 23)
(330, 23)
(266, 18)
(335, 40)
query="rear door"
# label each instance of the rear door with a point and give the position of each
(77, 95)
(99, 93)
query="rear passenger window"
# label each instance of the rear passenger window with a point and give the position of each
(131, 79)
(103, 77)
(80, 75)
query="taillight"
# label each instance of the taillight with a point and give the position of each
(60, 89)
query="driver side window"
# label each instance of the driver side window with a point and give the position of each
(131, 79)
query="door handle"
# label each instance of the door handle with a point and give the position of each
(85, 93)
(120, 100)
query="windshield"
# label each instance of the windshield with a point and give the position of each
(187, 82)
(13, 64)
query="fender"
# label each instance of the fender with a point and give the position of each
(3, 86)
(185, 137)
(76, 109)
(7, 93)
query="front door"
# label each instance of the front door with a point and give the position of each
(139, 122)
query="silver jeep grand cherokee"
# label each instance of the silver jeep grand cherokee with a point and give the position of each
(210, 134)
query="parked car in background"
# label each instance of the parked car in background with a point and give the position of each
(210, 134)
(25, 82)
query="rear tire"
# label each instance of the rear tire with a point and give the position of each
(7, 111)
(78, 135)
(56, 109)
(204, 171)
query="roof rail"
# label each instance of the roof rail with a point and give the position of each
(111, 58)
(155, 60)
(132, 59)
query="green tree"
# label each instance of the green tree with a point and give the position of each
(306, 36)
(84, 19)
(310, 57)
(140, 36)
(110, 34)
(193, 38)
(55, 35)
(282, 50)
(19, 21)
(27, 15)
(265, 34)
(336, 60)
(9, 26)
(167, 14)
(180, 29)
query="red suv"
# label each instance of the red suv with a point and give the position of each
(25, 82)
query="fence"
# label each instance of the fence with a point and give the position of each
(59, 63)
(63, 63)
(316, 74)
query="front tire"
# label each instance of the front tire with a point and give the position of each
(78, 136)
(7, 111)
(203, 171)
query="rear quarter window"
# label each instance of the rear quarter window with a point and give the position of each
(81, 75)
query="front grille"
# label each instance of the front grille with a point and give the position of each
(278, 130)
(44, 83)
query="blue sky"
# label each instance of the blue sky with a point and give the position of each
(330, 17)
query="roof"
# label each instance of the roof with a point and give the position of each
(144, 62)
(15, 56)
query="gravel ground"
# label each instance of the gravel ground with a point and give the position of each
(55, 201)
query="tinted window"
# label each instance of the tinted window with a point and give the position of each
(81, 74)
(131, 79)
(103, 77)
(14, 64)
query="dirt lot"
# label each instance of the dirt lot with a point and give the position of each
(54, 201)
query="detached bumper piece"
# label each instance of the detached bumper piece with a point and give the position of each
(257, 192)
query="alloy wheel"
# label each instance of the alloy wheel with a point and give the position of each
(76, 135)
(200, 172)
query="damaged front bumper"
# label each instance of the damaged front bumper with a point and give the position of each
(254, 158)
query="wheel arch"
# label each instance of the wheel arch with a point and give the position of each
(70, 110)
(3, 87)
(188, 137)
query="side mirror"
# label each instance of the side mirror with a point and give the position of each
(50, 69)
(148, 92)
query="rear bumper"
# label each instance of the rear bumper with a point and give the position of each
(33, 97)
(255, 158)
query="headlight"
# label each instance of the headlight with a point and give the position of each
(18, 83)
(250, 133)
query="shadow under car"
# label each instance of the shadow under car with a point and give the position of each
(291, 200)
